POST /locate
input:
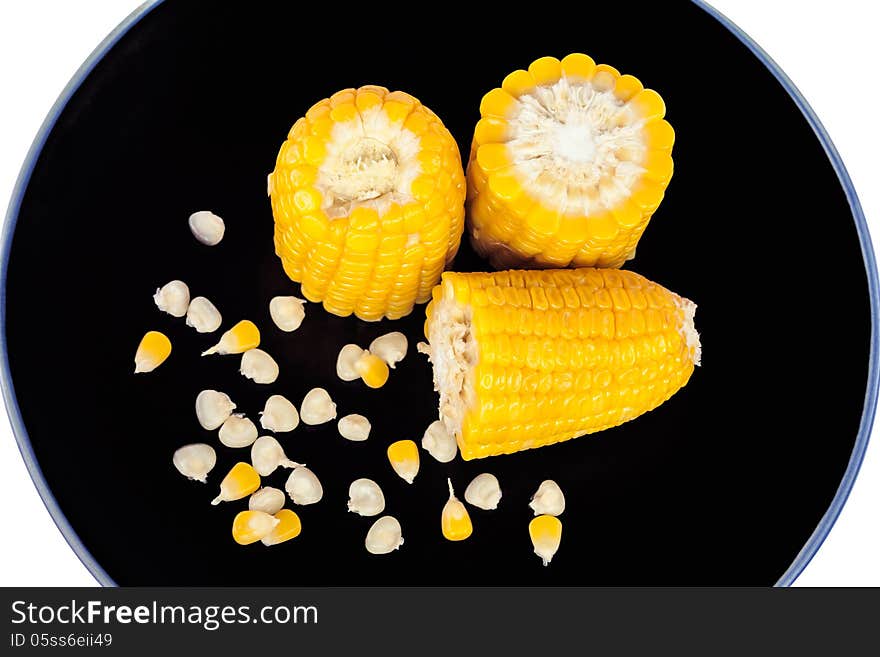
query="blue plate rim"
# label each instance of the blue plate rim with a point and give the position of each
(871, 393)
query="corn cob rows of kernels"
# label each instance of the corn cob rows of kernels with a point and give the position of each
(560, 353)
(568, 163)
(368, 197)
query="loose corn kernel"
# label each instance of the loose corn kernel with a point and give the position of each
(548, 500)
(279, 415)
(287, 312)
(365, 498)
(345, 362)
(546, 534)
(238, 431)
(195, 461)
(303, 486)
(317, 407)
(207, 227)
(455, 522)
(372, 370)
(258, 366)
(384, 536)
(251, 526)
(241, 337)
(152, 351)
(390, 347)
(484, 492)
(354, 427)
(213, 408)
(289, 526)
(203, 316)
(172, 298)
(268, 500)
(404, 458)
(439, 443)
(241, 481)
(267, 455)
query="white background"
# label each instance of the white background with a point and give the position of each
(829, 49)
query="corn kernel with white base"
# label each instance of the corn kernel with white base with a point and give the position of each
(546, 534)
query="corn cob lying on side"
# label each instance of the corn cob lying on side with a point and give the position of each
(530, 358)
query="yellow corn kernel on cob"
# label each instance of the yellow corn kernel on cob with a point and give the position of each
(368, 196)
(568, 163)
(530, 358)
(455, 521)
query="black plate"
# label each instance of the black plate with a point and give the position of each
(725, 483)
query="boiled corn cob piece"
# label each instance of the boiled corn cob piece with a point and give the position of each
(372, 370)
(455, 522)
(530, 358)
(368, 197)
(240, 482)
(404, 458)
(568, 163)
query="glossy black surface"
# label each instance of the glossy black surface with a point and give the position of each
(722, 484)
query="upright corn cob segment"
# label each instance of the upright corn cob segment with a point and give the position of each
(568, 163)
(530, 358)
(368, 197)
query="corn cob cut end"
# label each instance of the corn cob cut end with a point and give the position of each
(524, 359)
(689, 329)
(368, 198)
(568, 162)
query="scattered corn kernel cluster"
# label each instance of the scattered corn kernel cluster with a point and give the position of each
(371, 365)
(266, 519)
(569, 160)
